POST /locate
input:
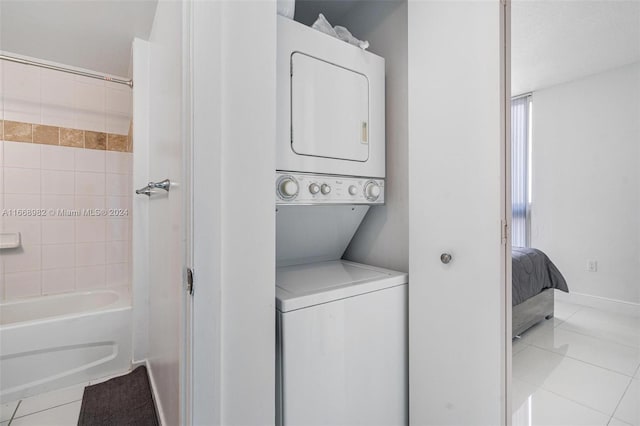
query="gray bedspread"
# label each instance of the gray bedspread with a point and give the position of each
(533, 272)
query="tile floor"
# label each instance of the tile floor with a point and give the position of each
(56, 408)
(581, 368)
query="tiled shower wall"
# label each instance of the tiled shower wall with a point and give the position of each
(65, 182)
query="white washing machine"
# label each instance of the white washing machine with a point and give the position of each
(342, 345)
(341, 326)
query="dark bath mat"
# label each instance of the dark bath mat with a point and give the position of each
(121, 401)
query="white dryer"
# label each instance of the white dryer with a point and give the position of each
(342, 345)
(330, 103)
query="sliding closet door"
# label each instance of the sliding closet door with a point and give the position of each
(457, 318)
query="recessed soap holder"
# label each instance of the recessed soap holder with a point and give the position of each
(9, 240)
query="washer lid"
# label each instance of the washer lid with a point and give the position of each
(301, 286)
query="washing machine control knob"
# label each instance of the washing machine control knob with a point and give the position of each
(371, 191)
(325, 189)
(287, 187)
(314, 188)
(353, 190)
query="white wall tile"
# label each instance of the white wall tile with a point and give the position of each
(58, 182)
(119, 162)
(26, 258)
(117, 274)
(21, 93)
(56, 256)
(58, 202)
(90, 230)
(25, 111)
(118, 184)
(58, 88)
(58, 231)
(29, 229)
(58, 157)
(88, 254)
(20, 154)
(117, 251)
(117, 230)
(89, 96)
(21, 201)
(116, 123)
(90, 202)
(90, 160)
(90, 276)
(88, 120)
(49, 97)
(119, 100)
(22, 284)
(58, 280)
(58, 116)
(88, 183)
(21, 181)
(118, 203)
(21, 82)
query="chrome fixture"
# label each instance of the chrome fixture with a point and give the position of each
(149, 189)
(67, 70)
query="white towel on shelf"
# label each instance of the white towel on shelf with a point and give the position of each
(341, 33)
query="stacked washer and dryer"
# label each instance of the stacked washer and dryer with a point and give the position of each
(341, 326)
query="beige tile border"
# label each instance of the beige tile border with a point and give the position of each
(15, 131)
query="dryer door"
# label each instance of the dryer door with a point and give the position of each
(329, 110)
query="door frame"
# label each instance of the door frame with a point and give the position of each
(186, 316)
(505, 40)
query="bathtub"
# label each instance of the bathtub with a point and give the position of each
(51, 342)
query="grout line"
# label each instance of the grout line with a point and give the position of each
(14, 413)
(582, 404)
(48, 408)
(621, 398)
(538, 387)
(580, 360)
(603, 339)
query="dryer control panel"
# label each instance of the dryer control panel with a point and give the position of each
(306, 188)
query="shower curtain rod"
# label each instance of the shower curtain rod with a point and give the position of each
(67, 70)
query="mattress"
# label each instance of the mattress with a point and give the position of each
(533, 272)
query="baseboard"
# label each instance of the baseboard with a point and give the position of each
(603, 303)
(154, 391)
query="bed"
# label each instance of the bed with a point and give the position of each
(534, 278)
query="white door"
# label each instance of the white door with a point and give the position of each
(159, 142)
(457, 304)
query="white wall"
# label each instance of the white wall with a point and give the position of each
(383, 236)
(586, 181)
(234, 212)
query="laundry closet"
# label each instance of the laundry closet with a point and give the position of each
(341, 319)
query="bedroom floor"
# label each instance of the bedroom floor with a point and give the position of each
(580, 368)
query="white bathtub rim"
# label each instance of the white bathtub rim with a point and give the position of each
(123, 302)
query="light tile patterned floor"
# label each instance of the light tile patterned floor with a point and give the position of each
(582, 368)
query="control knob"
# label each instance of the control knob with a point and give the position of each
(287, 187)
(353, 190)
(325, 189)
(314, 188)
(372, 191)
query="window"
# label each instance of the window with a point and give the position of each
(521, 170)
